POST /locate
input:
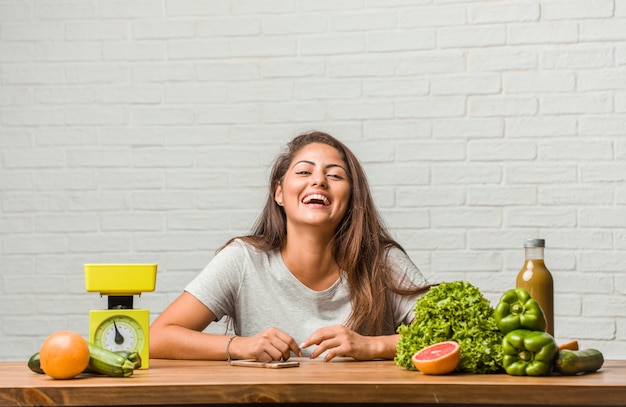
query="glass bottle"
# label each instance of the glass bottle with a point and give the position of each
(537, 280)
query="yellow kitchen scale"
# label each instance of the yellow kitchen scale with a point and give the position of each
(120, 326)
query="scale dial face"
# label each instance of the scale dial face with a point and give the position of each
(120, 332)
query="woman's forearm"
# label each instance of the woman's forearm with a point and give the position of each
(176, 342)
(387, 346)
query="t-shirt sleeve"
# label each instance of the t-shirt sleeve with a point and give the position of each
(216, 286)
(406, 272)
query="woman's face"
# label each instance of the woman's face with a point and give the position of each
(316, 188)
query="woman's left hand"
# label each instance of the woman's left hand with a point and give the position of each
(341, 341)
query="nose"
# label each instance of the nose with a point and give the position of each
(319, 179)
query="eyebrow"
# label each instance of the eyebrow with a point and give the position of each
(327, 166)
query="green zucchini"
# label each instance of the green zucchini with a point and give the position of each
(135, 358)
(109, 363)
(573, 362)
(101, 361)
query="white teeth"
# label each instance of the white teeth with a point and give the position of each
(316, 197)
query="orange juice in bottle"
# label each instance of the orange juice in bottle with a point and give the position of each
(537, 280)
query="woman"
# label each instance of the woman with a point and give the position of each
(319, 275)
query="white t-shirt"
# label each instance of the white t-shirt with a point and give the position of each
(257, 290)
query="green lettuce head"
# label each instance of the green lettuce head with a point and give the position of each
(459, 312)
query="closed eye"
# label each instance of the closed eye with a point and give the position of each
(333, 171)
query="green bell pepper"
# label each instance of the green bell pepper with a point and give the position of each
(528, 353)
(517, 310)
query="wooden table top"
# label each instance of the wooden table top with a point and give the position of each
(178, 382)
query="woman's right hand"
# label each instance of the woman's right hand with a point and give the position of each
(178, 334)
(269, 344)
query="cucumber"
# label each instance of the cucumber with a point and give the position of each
(573, 362)
(34, 364)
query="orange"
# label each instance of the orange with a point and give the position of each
(571, 345)
(64, 354)
(440, 358)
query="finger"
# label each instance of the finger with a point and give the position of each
(275, 348)
(263, 352)
(269, 345)
(287, 345)
(318, 351)
(275, 353)
(332, 349)
(285, 348)
(330, 345)
(264, 357)
(293, 347)
(331, 354)
(318, 336)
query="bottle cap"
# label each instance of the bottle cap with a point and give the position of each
(535, 243)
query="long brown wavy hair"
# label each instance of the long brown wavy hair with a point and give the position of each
(361, 241)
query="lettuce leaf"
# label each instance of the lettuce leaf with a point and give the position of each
(454, 311)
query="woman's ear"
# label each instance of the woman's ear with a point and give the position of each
(278, 194)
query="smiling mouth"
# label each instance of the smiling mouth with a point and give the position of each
(318, 199)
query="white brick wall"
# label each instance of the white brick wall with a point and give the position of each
(142, 131)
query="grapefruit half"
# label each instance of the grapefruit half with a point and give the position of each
(440, 358)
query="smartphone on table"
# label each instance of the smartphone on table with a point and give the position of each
(275, 364)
